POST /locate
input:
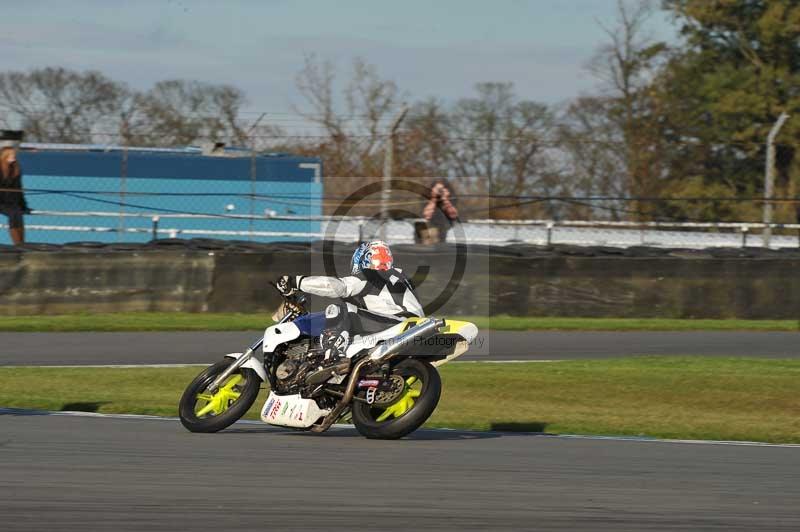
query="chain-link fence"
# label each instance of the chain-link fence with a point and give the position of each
(126, 194)
(115, 192)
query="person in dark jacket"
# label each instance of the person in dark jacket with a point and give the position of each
(440, 212)
(12, 199)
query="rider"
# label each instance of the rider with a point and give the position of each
(374, 297)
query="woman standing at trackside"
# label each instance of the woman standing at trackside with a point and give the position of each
(440, 211)
(12, 200)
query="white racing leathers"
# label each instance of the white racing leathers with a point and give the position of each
(375, 299)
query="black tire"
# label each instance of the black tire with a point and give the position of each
(364, 415)
(214, 423)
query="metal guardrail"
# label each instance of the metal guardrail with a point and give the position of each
(540, 232)
(624, 234)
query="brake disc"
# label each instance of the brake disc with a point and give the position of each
(389, 391)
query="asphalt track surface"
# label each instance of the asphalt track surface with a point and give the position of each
(98, 473)
(206, 347)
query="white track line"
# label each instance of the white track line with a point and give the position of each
(27, 412)
(667, 440)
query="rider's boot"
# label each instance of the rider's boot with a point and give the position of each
(334, 344)
(334, 361)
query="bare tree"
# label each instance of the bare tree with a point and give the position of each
(627, 65)
(499, 145)
(354, 122)
(59, 105)
(180, 112)
(424, 147)
(626, 62)
(349, 125)
(593, 155)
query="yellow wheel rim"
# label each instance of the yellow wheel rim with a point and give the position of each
(219, 402)
(404, 403)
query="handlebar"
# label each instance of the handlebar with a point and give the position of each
(294, 303)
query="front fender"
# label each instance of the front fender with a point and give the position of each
(253, 364)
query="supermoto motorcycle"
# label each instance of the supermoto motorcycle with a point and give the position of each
(387, 384)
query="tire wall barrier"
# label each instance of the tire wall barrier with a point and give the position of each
(523, 282)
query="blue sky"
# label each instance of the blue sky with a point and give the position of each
(430, 48)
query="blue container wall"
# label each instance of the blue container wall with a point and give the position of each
(167, 184)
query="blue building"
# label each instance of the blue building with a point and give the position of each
(124, 189)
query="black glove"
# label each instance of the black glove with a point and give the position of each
(286, 285)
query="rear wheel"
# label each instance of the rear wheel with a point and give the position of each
(408, 409)
(203, 411)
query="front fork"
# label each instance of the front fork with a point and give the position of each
(247, 355)
(238, 363)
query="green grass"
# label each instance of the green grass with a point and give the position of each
(513, 323)
(182, 321)
(666, 397)
(135, 321)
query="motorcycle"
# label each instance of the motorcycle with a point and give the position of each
(387, 384)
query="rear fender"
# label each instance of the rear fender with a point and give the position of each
(253, 364)
(466, 331)
(463, 331)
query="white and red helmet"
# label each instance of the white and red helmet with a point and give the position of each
(374, 255)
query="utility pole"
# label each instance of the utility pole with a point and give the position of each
(253, 172)
(769, 178)
(388, 162)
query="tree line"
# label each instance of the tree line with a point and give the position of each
(675, 130)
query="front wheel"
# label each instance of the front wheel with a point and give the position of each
(408, 408)
(203, 411)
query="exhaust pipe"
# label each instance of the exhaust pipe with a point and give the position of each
(379, 354)
(391, 347)
(387, 350)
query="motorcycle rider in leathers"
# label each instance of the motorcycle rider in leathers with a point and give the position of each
(374, 297)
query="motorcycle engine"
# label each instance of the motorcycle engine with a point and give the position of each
(299, 360)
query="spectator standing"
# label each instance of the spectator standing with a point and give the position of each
(440, 212)
(12, 199)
